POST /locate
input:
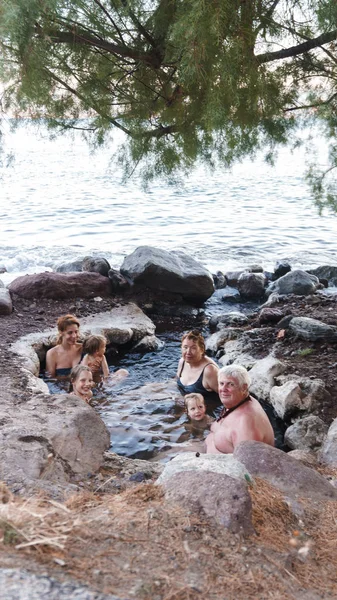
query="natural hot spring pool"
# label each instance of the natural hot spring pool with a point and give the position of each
(144, 412)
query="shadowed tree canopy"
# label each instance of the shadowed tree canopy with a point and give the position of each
(185, 80)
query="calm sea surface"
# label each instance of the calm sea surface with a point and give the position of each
(60, 202)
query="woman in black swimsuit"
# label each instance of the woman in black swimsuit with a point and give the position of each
(68, 352)
(197, 372)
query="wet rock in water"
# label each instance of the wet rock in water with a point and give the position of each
(262, 376)
(217, 496)
(296, 282)
(216, 341)
(61, 286)
(6, 306)
(251, 285)
(281, 268)
(118, 281)
(270, 315)
(19, 584)
(327, 272)
(231, 318)
(284, 472)
(70, 267)
(232, 277)
(174, 272)
(312, 330)
(149, 343)
(328, 453)
(95, 264)
(306, 434)
(231, 296)
(2, 285)
(219, 280)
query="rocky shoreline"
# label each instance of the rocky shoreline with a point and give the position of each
(289, 345)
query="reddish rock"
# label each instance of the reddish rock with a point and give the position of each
(284, 472)
(61, 286)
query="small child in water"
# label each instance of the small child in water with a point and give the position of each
(94, 356)
(196, 411)
(94, 348)
(81, 382)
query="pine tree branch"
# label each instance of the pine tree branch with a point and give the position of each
(85, 100)
(85, 39)
(325, 38)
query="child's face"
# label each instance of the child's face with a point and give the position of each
(196, 409)
(83, 384)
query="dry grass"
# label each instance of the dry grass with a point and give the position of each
(135, 545)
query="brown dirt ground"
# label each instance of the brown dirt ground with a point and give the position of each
(134, 545)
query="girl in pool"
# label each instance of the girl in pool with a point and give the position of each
(67, 352)
(82, 381)
(94, 347)
(94, 356)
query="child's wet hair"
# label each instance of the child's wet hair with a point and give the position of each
(93, 344)
(193, 396)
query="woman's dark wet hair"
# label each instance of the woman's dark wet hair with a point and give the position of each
(196, 337)
(64, 322)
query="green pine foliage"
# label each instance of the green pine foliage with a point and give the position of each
(185, 80)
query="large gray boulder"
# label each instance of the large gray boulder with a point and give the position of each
(50, 439)
(306, 434)
(6, 306)
(312, 330)
(284, 472)
(61, 286)
(296, 282)
(223, 499)
(220, 464)
(174, 272)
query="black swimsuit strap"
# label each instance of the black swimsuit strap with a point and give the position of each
(227, 411)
